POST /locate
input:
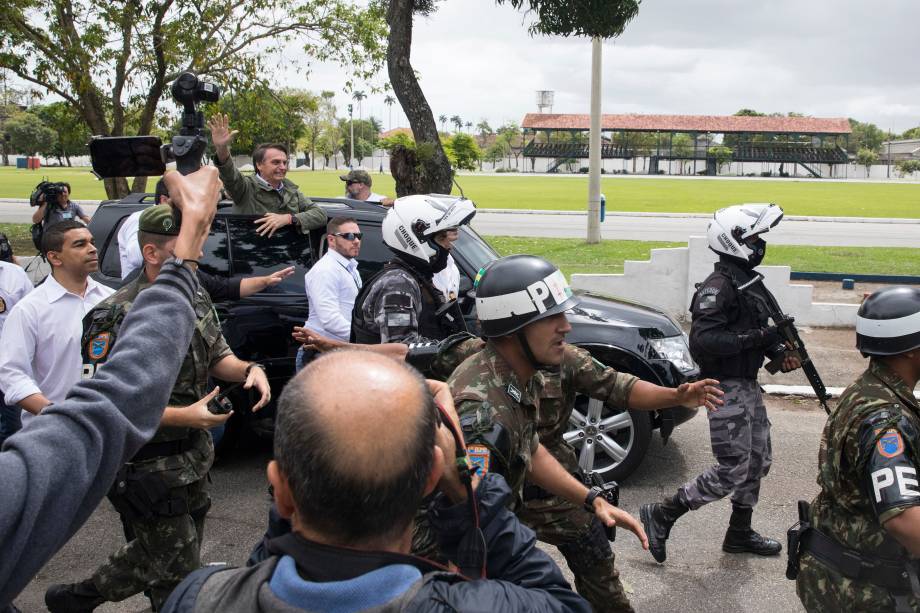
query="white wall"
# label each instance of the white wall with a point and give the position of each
(667, 282)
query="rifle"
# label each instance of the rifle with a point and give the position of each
(785, 325)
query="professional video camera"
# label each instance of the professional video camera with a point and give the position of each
(50, 190)
(147, 156)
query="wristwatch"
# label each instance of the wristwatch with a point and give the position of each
(593, 493)
(183, 262)
(251, 366)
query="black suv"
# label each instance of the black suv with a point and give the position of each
(627, 336)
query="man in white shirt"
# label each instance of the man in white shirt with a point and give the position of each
(129, 251)
(40, 342)
(358, 187)
(333, 283)
(14, 285)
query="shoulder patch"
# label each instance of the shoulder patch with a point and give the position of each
(514, 392)
(890, 444)
(479, 456)
(98, 346)
(708, 301)
(709, 290)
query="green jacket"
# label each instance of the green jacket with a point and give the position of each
(251, 196)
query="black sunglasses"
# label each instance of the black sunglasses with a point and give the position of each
(350, 236)
(351, 182)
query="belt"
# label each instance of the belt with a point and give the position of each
(159, 450)
(890, 574)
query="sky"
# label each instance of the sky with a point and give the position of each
(824, 58)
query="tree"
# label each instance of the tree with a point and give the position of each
(443, 120)
(866, 157)
(71, 131)
(722, 155)
(29, 135)
(319, 113)
(358, 96)
(497, 150)
(911, 134)
(426, 169)
(263, 115)
(101, 56)
(468, 125)
(484, 129)
(457, 121)
(908, 167)
(367, 131)
(463, 151)
(390, 101)
(512, 135)
(681, 147)
(865, 136)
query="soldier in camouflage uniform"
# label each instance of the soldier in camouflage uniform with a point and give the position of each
(861, 541)
(161, 493)
(729, 338)
(521, 387)
(401, 304)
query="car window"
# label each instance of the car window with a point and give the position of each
(254, 255)
(215, 258)
(374, 253)
(472, 251)
(111, 262)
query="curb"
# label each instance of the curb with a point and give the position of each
(805, 391)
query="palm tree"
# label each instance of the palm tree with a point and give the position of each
(443, 120)
(358, 96)
(390, 101)
(455, 119)
(468, 125)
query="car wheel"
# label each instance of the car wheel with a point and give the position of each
(610, 442)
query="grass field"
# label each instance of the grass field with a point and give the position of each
(854, 199)
(575, 256)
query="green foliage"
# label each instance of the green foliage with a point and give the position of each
(263, 115)
(911, 134)
(681, 146)
(865, 136)
(398, 139)
(65, 121)
(866, 157)
(367, 132)
(908, 167)
(594, 18)
(722, 155)
(29, 134)
(463, 151)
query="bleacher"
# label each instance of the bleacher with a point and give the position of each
(788, 152)
(574, 150)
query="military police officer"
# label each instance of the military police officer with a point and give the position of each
(401, 303)
(729, 338)
(861, 537)
(160, 494)
(515, 397)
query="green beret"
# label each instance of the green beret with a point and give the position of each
(357, 176)
(159, 219)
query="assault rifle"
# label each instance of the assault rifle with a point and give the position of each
(785, 325)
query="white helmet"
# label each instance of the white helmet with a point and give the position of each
(732, 227)
(411, 224)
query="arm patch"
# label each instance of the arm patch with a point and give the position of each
(888, 469)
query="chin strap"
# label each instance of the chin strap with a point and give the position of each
(471, 552)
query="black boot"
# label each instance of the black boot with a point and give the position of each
(741, 538)
(73, 597)
(657, 519)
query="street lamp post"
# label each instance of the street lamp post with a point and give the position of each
(351, 141)
(594, 146)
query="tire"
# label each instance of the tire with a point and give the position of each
(616, 447)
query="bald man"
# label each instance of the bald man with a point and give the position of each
(351, 468)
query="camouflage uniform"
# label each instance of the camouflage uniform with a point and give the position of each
(164, 541)
(398, 305)
(486, 391)
(254, 196)
(876, 420)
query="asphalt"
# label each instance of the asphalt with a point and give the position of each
(814, 231)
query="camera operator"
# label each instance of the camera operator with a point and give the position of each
(61, 209)
(352, 467)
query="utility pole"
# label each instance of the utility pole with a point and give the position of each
(594, 146)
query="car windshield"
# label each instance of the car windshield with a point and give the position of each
(473, 249)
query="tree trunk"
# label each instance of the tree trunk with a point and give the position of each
(67, 157)
(434, 170)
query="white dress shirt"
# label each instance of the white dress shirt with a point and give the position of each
(14, 285)
(40, 342)
(448, 280)
(332, 286)
(129, 252)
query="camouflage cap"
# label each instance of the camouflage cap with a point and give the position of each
(357, 176)
(159, 219)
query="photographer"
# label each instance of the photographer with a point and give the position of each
(61, 209)
(352, 519)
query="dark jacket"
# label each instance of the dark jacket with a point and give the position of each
(730, 333)
(55, 471)
(522, 577)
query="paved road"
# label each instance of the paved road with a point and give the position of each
(698, 576)
(650, 227)
(678, 228)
